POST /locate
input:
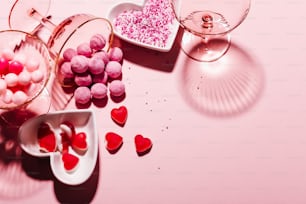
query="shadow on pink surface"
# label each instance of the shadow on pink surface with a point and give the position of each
(23, 175)
(227, 87)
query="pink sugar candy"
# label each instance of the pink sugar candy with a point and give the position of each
(82, 95)
(103, 55)
(32, 64)
(98, 90)
(66, 71)
(116, 88)
(19, 97)
(3, 86)
(7, 53)
(100, 78)
(84, 49)
(37, 76)
(79, 64)
(113, 69)
(24, 78)
(4, 65)
(83, 79)
(69, 53)
(11, 79)
(96, 65)
(15, 66)
(7, 96)
(97, 42)
(115, 54)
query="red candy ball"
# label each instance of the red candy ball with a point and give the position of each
(4, 65)
(15, 67)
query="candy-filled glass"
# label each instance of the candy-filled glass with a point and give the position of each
(31, 16)
(207, 25)
(25, 69)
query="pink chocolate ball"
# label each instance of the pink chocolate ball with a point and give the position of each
(97, 42)
(79, 64)
(113, 69)
(69, 53)
(96, 65)
(82, 95)
(32, 64)
(115, 54)
(98, 90)
(11, 79)
(66, 71)
(37, 76)
(7, 96)
(117, 88)
(100, 78)
(103, 55)
(83, 79)
(84, 49)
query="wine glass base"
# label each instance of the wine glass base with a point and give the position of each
(205, 50)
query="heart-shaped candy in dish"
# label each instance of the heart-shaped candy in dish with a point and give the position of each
(73, 154)
(151, 25)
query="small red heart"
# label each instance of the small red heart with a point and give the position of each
(46, 138)
(119, 115)
(142, 144)
(114, 141)
(79, 143)
(70, 161)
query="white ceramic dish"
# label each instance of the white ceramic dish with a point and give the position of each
(83, 121)
(121, 7)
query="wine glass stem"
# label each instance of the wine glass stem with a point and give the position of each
(42, 19)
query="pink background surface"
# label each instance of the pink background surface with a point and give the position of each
(255, 156)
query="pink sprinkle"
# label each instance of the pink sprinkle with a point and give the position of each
(151, 26)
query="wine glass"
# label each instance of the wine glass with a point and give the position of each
(31, 16)
(207, 24)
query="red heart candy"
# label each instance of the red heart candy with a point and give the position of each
(79, 143)
(114, 141)
(70, 161)
(119, 115)
(142, 144)
(46, 138)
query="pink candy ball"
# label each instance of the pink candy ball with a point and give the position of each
(96, 65)
(69, 53)
(24, 78)
(113, 69)
(79, 64)
(19, 97)
(98, 90)
(100, 78)
(83, 79)
(117, 88)
(97, 42)
(66, 71)
(84, 49)
(7, 96)
(37, 76)
(11, 79)
(115, 54)
(32, 64)
(82, 95)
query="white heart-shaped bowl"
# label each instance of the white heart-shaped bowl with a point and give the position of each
(121, 7)
(84, 121)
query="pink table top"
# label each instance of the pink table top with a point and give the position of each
(254, 152)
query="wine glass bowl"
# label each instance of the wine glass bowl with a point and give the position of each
(207, 25)
(27, 47)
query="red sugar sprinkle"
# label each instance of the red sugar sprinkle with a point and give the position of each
(151, 26)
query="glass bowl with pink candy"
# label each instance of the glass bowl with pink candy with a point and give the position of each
(151, 24)
(25, 67)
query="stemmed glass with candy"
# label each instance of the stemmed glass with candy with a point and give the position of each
(84, 35)
(207, 24)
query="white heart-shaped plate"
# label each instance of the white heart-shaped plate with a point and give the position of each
(121, 7)
(84, 121)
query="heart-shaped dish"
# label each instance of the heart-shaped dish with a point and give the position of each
(83, 121)
(129, 6)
